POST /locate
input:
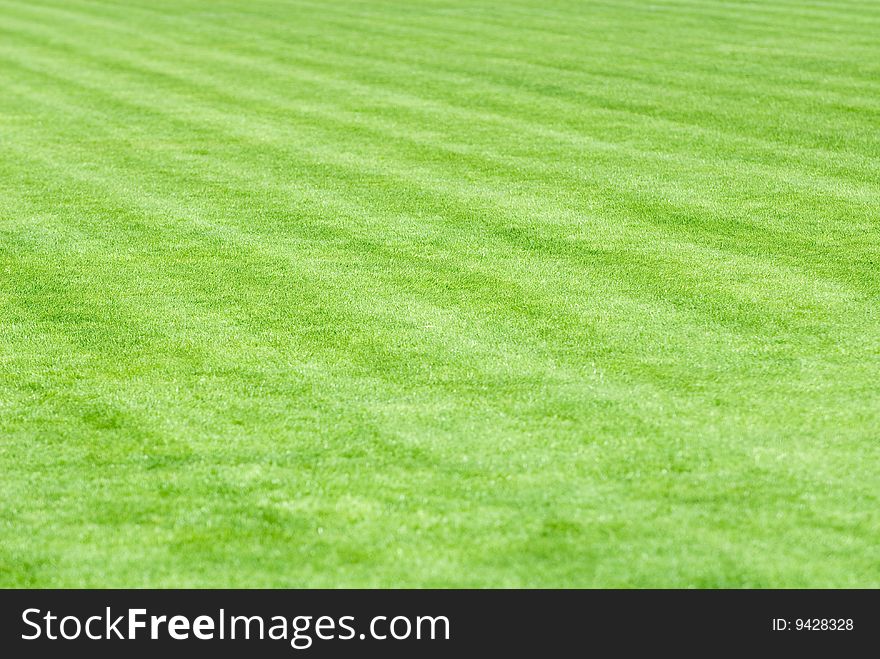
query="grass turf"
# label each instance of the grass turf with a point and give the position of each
(439, 294)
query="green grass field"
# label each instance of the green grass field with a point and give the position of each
(446, 293)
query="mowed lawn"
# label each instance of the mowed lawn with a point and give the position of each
(440, 293)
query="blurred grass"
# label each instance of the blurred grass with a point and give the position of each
(439, 293)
